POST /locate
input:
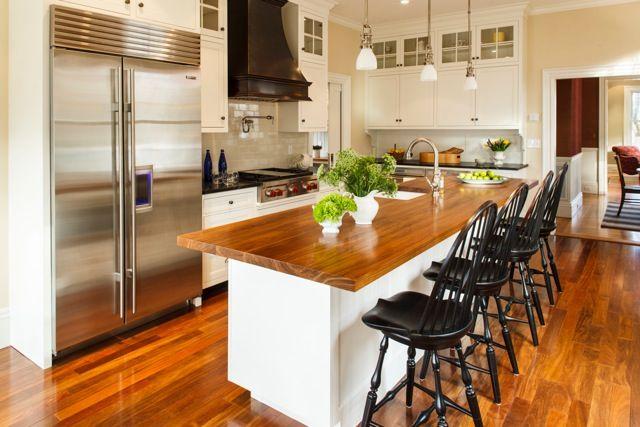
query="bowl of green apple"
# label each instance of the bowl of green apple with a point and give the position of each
(481, 177)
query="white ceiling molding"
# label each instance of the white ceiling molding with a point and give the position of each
(345, 22)
(574, 5)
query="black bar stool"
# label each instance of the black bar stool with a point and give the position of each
(526, 245)
(549, 225)
(434, 322)
(494, 273)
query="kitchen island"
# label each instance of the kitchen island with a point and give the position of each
(296, 296)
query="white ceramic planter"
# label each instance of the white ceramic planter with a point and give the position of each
(498, 157)
(367, 209)
(330, 227)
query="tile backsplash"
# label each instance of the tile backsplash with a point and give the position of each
(469, 140)
(263, 146)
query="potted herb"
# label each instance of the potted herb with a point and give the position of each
(317, 150)
(363, 178)
(330, 210)
(498, 148)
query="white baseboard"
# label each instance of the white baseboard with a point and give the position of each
(568, 209)
(590, 187)
(4, 327)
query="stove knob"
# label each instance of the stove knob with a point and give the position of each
(293, 188)
(305, 186)
(270, 193)
(279, 192)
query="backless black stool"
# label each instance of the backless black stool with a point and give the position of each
(434, 322)
(494, 273)
(526, 245)
(549, 225)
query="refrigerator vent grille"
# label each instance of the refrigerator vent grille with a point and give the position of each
(94, 32)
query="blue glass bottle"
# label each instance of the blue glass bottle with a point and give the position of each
(208, 168)
(222, 164)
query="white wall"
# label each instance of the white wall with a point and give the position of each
(29, 217)
(4, 105)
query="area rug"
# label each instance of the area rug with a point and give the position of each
(629, 218)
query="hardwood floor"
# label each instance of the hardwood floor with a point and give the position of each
(586, 223)
(584, 373)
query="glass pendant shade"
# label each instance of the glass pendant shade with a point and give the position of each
(429, 73)
(471, 83)
(366, 60)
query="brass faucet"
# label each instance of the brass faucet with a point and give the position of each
(436, 183)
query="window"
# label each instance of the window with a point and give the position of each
(632, 115)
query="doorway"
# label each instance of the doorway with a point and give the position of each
(338, 134)
(586, 220)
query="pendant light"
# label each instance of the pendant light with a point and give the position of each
(366, 59)
(470, 83)
(429, 73)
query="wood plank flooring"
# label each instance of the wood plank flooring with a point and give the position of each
(584, 373)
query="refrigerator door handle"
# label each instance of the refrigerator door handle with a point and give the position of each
(119, 173)
(131, 161)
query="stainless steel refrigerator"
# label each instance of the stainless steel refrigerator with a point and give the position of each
(126, 162)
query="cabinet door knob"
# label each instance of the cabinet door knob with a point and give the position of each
(230, 202)
(127, 1)
(140, 4)
(223, 118)
(303, 49)
(221, 28)
(304, 120)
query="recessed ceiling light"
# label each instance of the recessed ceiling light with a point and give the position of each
(404, 1)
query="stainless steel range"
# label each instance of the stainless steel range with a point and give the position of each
(276, 183)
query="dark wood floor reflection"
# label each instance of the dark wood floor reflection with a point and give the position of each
(585, 371)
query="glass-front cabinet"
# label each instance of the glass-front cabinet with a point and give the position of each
(455, 47)
(414, 51)
(314, 37)
(497, 43)
(387, 53)
(213, 17)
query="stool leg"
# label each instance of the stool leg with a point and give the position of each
(376, 379)
(471, 394)
(506, 336)
(528, 308)
(426, 359)
(411, 375)
(491, 352)
(441, 407)
(545, 272)
(534, 292)
(554, 267)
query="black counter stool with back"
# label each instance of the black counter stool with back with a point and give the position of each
(548, 226)
(434, 322)
(494, 273)
(527, 244)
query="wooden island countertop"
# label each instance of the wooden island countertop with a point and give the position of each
(291, 242)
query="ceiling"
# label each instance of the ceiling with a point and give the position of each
(381, 11)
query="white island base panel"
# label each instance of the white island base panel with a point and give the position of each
(300, 347)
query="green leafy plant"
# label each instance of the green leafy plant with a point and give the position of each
(500, 144)
(360, 175)
(332, 207)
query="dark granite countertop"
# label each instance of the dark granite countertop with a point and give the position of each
(206, 189)
(466, 165)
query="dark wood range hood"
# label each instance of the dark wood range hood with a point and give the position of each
(261, 66)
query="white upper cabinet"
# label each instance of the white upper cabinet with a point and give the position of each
(383, 102)
(497, 44)
(214, 89)
(454, 47)
(122, 7)
(455, 106)
(400, 100)
(416, 101)
(386, 52)
(180, 14)
(313, 37)
(494, 105)
(308, 116)
(213, 18)
(497, 97)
